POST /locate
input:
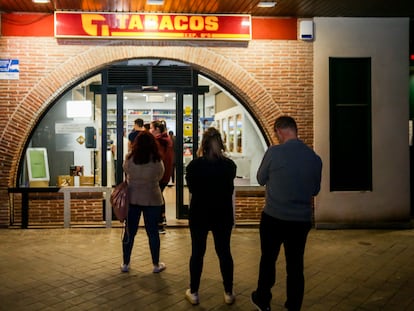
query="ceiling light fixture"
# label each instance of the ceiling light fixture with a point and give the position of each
(155, 2)
(41, 1)
(266, 4)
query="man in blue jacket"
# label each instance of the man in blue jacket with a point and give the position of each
(291, 172)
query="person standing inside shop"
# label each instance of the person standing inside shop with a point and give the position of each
(138, 127)
(144, 169)
(210, 180)
(159, 129)
(291, 172)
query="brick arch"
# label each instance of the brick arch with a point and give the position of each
(222, 69)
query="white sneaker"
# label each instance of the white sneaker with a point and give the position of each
(229, 298)
(124, 267)
(192, 297)
(161, 267)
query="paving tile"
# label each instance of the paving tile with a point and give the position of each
(78, 269)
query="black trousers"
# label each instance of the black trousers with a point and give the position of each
(292, 234)
(222, 236)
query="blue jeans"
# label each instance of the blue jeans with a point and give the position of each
(292, 234)
(151, 215)
(222, 236)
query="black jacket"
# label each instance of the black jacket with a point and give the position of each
(211, 184)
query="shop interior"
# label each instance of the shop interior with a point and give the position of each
(70, 135)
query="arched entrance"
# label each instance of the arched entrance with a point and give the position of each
(149, 89)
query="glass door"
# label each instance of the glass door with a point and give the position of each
(186, 146)
(151, 106)
(180, 111)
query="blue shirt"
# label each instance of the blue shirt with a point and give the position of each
(291, 173)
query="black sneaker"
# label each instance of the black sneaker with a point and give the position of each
(260, 306)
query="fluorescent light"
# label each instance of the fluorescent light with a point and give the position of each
(155, 2)
(266, 4)
(78, 109)
(41, 1)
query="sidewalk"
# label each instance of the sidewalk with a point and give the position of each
(78, 269)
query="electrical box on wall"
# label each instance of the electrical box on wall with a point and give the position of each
(306, 30)
(90, 137)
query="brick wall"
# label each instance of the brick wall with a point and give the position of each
(249, 205)
(270, 77)
(46, 209)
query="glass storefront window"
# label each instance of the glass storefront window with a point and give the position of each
(68, 133)
(231, 134)
(239, 129)
(71, 131)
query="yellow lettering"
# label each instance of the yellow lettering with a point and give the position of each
(97, 25)
(122, 19)
(196, 23)
(151, 22)
(166, 23)
(212, 23)
(105, 31)
(135, 23)
(181, 23)
(89, 23)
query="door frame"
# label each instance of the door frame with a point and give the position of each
(195, 91)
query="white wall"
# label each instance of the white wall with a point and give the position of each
(386, 41)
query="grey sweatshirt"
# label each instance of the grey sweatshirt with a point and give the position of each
(292, 175)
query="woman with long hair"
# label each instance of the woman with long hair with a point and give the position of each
(210, 180)
(144, 169)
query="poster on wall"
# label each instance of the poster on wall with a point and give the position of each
(188, 129)
(9, 69)
(71, 136)
(38, 166)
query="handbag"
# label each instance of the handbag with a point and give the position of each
(119, 201)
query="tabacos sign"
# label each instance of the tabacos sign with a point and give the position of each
(152, 26)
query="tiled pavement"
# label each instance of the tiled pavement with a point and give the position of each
(78, 269)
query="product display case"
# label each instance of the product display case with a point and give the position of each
(133, 114)
(148, 115)
(230, 124)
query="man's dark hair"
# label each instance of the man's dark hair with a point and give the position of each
(284, 122)
(139, 122)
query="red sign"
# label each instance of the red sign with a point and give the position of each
(152, 26)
